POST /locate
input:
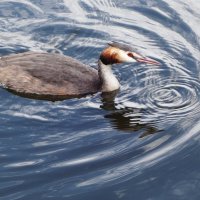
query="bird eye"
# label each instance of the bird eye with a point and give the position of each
(130, 55)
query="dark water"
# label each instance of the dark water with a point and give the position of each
(143, 144)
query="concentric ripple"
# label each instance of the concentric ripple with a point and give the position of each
(172, 99)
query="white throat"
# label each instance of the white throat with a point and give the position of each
(109, 81)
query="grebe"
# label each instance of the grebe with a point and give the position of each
(47, 74)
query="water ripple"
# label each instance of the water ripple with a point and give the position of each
(63, 149)
(174, 98)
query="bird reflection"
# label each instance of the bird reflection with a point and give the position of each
(125, 118)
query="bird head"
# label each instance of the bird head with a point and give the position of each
(121, 53)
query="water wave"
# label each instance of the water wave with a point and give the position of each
(63, 149)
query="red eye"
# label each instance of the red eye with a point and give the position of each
(130, 55)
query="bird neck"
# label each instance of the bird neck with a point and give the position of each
(108, 79)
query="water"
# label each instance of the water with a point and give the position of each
(142, 144)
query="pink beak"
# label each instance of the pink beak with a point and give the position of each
(147, 60)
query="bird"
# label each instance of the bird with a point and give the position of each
(45, 74)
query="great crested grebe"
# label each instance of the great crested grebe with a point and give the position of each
(56, 75)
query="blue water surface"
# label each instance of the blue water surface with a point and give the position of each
(141, 144)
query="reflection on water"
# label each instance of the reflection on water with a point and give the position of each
(125, 118)
(142, 142)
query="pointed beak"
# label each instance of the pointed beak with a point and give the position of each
(147, 60)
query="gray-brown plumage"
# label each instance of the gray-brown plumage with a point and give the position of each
(47, 74)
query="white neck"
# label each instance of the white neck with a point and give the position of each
(109, 81)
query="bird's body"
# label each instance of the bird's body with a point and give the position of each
(46, 74)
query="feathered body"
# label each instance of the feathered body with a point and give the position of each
(54, 75)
